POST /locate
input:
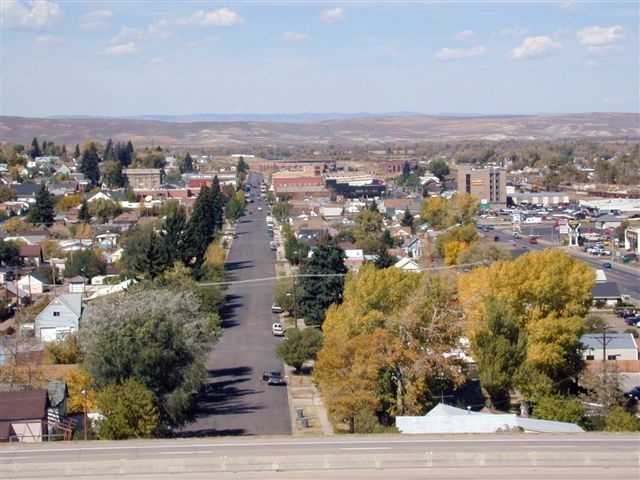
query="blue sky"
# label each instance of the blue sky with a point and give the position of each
(128, 58)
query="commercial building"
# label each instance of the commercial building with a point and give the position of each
(489, 185)
(631, 240)
(539, 198)
(145, 178)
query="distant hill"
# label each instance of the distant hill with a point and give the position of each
(353, 131)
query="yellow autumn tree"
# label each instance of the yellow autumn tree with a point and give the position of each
(452, 250)
(67, 202)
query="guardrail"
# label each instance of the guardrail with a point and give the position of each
(426, 460)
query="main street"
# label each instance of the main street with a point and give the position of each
(237, 401)
(451, 456)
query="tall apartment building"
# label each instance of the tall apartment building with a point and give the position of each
(489, 184)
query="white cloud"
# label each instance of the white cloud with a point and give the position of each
(465, 35)
(295, 37)
(152, 33)
(460, 53)
(40, 16)
(215, 18)
(94, 26)
(332, 15)
(595, 35)
(47, 41)
(535, 47)
(515, 31)
(98, 15)
(122, 49)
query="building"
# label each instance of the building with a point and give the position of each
(540, 198)
(489, 185)
(60, 318)
(619, 346)
(145, 178)
(355, 186)
(631, 243)
(23, 415)
(607, 293)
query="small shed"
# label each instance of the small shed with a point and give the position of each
(23, 415)
(77, 284)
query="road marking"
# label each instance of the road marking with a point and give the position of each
(366, 448)
(188, 452)
(484, 441)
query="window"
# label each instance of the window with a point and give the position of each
(612, 357)
(56, 314)
(590, 357)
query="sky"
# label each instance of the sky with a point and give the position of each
(181, 57)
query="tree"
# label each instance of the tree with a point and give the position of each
(383, 258)
(112, 174)
(441, 213)
(77, 381)
(367, 230)
(458, 239)
(174, 234)
(242, 166)
(144, 252)
(65, 352)
(186, 165)
(129, 411)
(281, 210)
(283, 294)
(87, 263)
(407, 219)
(6, 193)
(109, 151)
(559, 409)
(201, 228)
(76, 152)
(67, 202)
(619, 420)
(299, 346)
(84, 215)
(9, 253)
(42, 212)
(235, 207)
(104, 209)
(406, 172)
(35, 149)
(499, 351)
(320, 292)
(89, 163)
(439, 168)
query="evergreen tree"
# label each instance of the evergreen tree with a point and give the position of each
(186, 166)
(112, 174)
(406, 172)
(76, 152)
(384, 259)
(84, 215)
(42, 212)
(130, 153)
(318, 293)
(201, 228)
(35, 149)
(407, 219)
(109, 151)
(217, 204)
(174, 227)
(45, 145)
(64, 150)
(144, 252)
(373, 206)
(89, 164)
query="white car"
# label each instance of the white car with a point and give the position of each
(277, 329)
(259, 209)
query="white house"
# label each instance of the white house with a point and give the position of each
(33, 283)
(407, 265)
(619, 346)
(60, 318)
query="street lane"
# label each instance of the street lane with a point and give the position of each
(237, 401)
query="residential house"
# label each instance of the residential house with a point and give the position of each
(116, 197)
(308, 234)
(31, 255)
(23, 415)
(77, 284)
(30, 237)
(414, 247)
(398, 231)
(607, 293)
(25, 192)
(67, 187)
(407, 265)
(33, 283)
(619, 346)
(60, 318)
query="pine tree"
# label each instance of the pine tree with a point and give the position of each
(84, 215)
(174, 227)
(89, 164)
(35, 149)
(76, 152)
(217, 204)
(64, 150)
(109, 151)
(407, 219)
(201, 229)
(318, 293)
(42, 212)
(130, 153)
(186, 166)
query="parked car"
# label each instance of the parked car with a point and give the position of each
(634, 393)
(273, 377)
(635, 320)
(276, 309)
(273, 246)
(259, 209)
(496, 238)
(277, 329)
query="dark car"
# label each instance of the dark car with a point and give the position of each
(634, 393)
(635, 320)
(496, 238)
(273, 378)
(606, 265)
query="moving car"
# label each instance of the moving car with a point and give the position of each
(606, 265)
(273, 377)
(277, 329)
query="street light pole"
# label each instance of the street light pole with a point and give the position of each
(84, 402)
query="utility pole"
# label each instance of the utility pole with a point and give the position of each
(84, 402)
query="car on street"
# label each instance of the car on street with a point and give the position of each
(606, 265)
(634, 393)
(273, 246)
(277, 329)
(273, 377)
(496, 238)
(634, 320)
(276, 308)
(259, 209)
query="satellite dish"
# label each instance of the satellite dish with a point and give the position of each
(148, 198)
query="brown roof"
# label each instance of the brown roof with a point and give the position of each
(23, 405)
(30, 251)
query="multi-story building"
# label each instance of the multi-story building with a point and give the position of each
(489, 185)
(144, 178)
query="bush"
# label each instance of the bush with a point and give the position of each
(619, 420)
(559, 409)
(65, 352)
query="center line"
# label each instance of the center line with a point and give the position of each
(188, 452)
(366, 448)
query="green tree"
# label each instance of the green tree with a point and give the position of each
(439, 168)
(369, 225)
(112, 174)
(144, 252)
(104, 209)
(109, 151)
(203, 225)
(9, 253)
(186, 165)
(281, 210)
(76, 152)
(407, 219)
(318, 292)
(35, 149)
(84, 215)
(500, 349)
(619, 420)
(283, 294)
(129, 411)
(87, 263)
(43, 211)
(6, 193)
(559, 409)
(406, 172)
(299, 346)
(383, 258)
(174, 234)
(235, 207)
(89, 163)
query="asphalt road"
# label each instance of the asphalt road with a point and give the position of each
(628, 278)
(237, 401)
(397, 456)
